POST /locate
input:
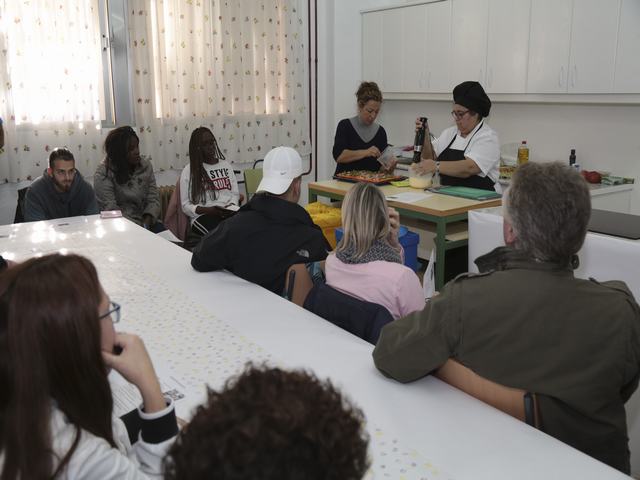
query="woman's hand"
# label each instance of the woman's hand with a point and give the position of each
(372, 151)
(394, 224)
(147, 221)
(426, 165)
(134, 364)
(391, 167)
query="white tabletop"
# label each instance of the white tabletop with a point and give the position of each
(204, 326)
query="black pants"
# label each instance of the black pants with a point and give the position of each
(204, 224)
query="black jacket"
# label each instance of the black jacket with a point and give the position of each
(261, 242)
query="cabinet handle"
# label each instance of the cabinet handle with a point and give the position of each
(490, 80)
(561, 79)
(429, 80)
(575, 76)
(480, 76)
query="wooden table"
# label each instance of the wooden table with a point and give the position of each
(437, 209)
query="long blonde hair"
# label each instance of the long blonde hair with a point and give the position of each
(364, 219)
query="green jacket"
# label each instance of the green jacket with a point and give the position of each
(533, 326)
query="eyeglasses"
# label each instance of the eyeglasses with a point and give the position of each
(114, 308)
(459, 115)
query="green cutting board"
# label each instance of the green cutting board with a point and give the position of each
(466, 192)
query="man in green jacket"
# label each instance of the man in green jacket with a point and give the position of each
(526, 322)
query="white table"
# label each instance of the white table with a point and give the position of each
(602, 257)
(205, 325)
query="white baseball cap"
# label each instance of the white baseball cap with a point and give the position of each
(281, 166)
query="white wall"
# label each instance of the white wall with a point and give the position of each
(606, 137)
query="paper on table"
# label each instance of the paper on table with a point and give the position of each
(233, 208)
(126, 396)
(408, 197)
(429, 280)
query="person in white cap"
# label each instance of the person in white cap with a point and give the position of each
(268, 234)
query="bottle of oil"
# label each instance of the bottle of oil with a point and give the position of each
(523, 153)
(419, 140)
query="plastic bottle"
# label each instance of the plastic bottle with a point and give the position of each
(572, 157)
(523, 153)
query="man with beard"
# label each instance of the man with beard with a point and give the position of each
(60, 192)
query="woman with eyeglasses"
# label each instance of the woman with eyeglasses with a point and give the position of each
(208, 186)
(125, 180)
(468, 154)
(57, 346)
(359, 140)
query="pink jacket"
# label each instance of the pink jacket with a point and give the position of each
(392, 285)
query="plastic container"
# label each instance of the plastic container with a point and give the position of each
(408, 240)
(420, 181)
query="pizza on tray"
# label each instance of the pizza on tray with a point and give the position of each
(367, 176)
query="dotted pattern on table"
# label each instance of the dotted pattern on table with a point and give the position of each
(204, 349)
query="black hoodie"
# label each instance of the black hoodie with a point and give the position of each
(261, 242)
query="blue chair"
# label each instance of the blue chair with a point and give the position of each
(363, 319)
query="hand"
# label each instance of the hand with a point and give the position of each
(426, 165)
(134, 364)
(391, 167)
(418, 124)
(222, 212)
(240, 199)
(372, 152)
(394, 224)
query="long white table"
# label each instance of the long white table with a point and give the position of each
(602, 257)
(204, 326)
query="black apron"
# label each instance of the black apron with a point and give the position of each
(452, 155)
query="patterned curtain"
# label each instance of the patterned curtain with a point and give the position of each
(239, 67)
(236, 66)
(51, 89)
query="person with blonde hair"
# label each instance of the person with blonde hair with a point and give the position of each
(367, 263)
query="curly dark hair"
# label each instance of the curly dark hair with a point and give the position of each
(268, 424)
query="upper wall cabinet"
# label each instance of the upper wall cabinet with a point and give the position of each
(626, 77)
(510, 46)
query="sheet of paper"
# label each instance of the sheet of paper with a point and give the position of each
(126, 396)
(233, 208)
(408, 197)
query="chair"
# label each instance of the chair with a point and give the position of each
(19, 216)
(252, 177)
(298, 283)
(512, 401)
(363, 319)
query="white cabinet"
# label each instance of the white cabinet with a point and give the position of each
(438, 41)
(469, 40)
(371, 47)
(627, 69)
(507, 46)
(414, 50)
(549, 44)
(392, 50)
(594, 30)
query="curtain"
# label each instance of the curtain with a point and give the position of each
(51, 89)
(238, 67)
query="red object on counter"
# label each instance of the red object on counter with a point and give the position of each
(591, 177)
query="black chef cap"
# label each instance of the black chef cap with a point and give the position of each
(472, 95)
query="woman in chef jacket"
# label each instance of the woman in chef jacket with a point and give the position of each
(468, 154)
(359, 140)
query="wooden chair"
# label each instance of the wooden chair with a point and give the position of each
(298, 283)
(512, 401)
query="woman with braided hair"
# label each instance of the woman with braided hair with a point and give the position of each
(208, 186)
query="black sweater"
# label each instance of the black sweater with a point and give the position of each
(348, 139)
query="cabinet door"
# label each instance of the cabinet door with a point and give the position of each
(414, 49)
(627, 70)
(550, 34)
(593, 46)
(438, 41)
(371, 47)
(508, 46)
(468, 40)
(392, 51)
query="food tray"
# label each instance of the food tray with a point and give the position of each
(376, 178)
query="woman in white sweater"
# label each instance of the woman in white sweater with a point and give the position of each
(208, 186)
(57, 345)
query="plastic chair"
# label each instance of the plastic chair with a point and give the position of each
(363, 319)
(252, 178)
(512, 401)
